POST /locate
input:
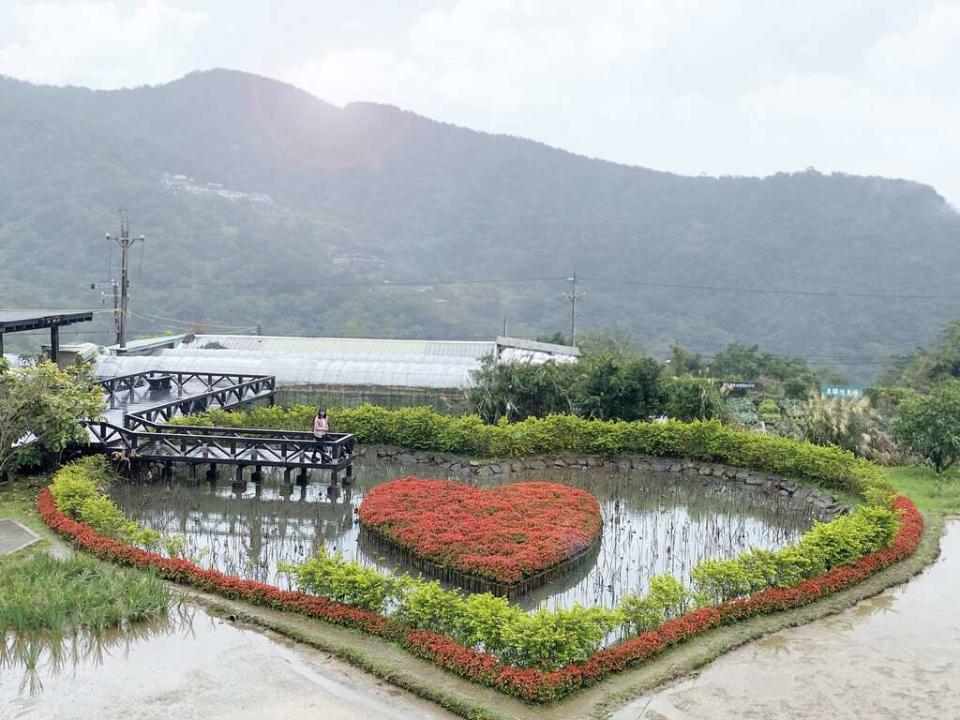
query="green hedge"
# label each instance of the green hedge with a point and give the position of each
(78, 490)
(546, 639)
(425, 429)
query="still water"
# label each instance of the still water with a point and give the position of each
(653, 523)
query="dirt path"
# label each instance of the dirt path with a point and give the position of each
(896, 655)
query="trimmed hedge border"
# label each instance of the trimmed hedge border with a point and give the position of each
(556, 435)
(526, 683)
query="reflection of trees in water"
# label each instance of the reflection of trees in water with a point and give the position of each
(653, 523)
(39, 652)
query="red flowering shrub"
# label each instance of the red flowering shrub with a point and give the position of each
(527, 683)
(505, 534)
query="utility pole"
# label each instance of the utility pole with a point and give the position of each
(124, 241)
(573, 296)
(115, 286)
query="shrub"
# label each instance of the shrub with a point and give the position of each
(429, 607)
(347, 582)
(769, 410)
(77, 490)
(103, 515)
(717, 581)
(78, 482)
(689, 399)
(825, 546)
(843, 540)
(484, 620)
(666, 598)
(550, 639)
(711, 441)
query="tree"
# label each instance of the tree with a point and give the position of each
(683, 362)
(519, 390)
(558, 338)
(740, 362)
(621, 389)
(693, 399)
(40, 411)
(928, 366)
(929, 426)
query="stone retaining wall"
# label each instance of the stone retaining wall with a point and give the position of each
(825, 505)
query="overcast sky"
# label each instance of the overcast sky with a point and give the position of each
(743, 87)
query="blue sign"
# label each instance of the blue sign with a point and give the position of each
(841, 391)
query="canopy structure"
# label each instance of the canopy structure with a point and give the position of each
(22, 320)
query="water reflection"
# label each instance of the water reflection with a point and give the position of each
(653, 523)
(48, 654)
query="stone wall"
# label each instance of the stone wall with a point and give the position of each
(824, 504)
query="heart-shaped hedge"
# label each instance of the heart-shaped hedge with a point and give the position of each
(506, 534)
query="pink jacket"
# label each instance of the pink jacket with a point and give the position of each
(320, 427)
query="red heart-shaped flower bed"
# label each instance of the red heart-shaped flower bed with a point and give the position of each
(506, 534)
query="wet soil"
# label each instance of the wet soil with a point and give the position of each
(896, 655)
(206, 669)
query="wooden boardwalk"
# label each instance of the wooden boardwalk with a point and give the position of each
(135, 426)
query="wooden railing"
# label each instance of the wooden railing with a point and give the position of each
(145, 434)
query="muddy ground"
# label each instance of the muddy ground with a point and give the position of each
(896, 655)
(209, 669)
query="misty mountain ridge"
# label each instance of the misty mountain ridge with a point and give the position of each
(262, 203)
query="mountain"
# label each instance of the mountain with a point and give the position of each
(262, 203)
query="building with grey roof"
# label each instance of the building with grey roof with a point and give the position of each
(336, 370)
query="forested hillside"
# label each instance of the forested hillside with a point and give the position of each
(264, 204)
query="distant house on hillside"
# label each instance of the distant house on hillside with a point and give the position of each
(332, 371)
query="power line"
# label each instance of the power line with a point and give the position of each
(429, 282)
(191, 323)
(775, 291)
(386, 283)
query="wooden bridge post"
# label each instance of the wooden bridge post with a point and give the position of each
(212, 472)
(302, 477)
(257, 476)
(239, 485)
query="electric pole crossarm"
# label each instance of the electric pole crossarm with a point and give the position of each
(125, 242)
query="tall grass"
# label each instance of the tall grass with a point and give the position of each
(42, 594)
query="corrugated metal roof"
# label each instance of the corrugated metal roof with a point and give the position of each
(344, 347)
(300, 369)
(434, 364)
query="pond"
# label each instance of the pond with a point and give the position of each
(653, 523)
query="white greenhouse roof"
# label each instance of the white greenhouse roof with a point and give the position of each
(433, 364)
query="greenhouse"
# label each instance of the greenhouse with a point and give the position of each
(339, 370)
